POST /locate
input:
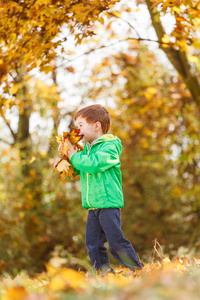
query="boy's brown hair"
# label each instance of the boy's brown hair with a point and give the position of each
(95, 113)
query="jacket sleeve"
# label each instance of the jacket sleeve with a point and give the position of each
(103, 159)
(76, 171)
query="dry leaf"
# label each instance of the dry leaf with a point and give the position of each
(62, 164)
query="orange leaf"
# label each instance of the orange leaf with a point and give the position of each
(62, 164)
(16, 293)
(74, 137)
(63, 176)
(71, 173)
(65, 148)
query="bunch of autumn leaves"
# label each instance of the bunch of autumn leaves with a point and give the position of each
(62, 164)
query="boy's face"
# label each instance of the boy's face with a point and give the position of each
(90, 131)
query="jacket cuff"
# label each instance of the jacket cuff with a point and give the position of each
(71, 158)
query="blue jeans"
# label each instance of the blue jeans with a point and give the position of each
(105, 225)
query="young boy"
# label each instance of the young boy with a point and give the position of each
(101, 187)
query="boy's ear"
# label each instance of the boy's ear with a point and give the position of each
(98, 125)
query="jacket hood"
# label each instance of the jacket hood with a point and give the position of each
(111, 138)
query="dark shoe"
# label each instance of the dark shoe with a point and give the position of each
(106, 270)
(140, 265)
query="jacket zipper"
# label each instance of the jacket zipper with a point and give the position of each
(87, 191)
(88, 175)
(87, 182)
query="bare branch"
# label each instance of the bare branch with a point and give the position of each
(156, 251)
(125, 21)
(14, 135)
(5, 141)
(113, 44)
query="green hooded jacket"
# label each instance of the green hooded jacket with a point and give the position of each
(99, 169)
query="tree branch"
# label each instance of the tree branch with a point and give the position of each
(125, 21)
(177, 57)
(5, 141)
(113, 44)
(14, 135)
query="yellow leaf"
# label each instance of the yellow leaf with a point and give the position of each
(51, 271)
(32, 159)
(59, 138)
(117, 14)
(65, 279)
(176, 9)
(101, 20)
(137, 124)
(193, 59)
(147, 132)
(144, 143)
(57, 284)
(43, 153)
(196, 44)
(196, 22)
(152, 90)
(14, 89)
(16, 293)
(46, 69)
(183, 44)
(165, 39)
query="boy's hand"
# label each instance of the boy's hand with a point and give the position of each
(71, 150)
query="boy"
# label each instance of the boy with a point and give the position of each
(101, 187)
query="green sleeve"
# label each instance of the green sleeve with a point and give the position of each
(76, 171)
(99, 161)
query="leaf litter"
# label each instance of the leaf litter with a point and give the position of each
(167, 279)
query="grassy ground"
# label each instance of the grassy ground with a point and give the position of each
(178, 279)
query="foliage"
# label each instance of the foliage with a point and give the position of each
(160, 148)
(187, 21)
(29, 30)
(153, 114)
(62, 164)
(31, 35)
(38, 213)
(169, 279)
(182, 45)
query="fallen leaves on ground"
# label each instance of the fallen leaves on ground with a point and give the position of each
(178, 279)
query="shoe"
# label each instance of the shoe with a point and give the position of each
(106, 271)
(140, 265)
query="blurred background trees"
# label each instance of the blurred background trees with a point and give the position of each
(154, 107)
(158, 124)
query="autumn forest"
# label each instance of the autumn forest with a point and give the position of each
(140, 59)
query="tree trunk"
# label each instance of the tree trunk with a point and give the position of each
(23, 138)
(177, 58)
